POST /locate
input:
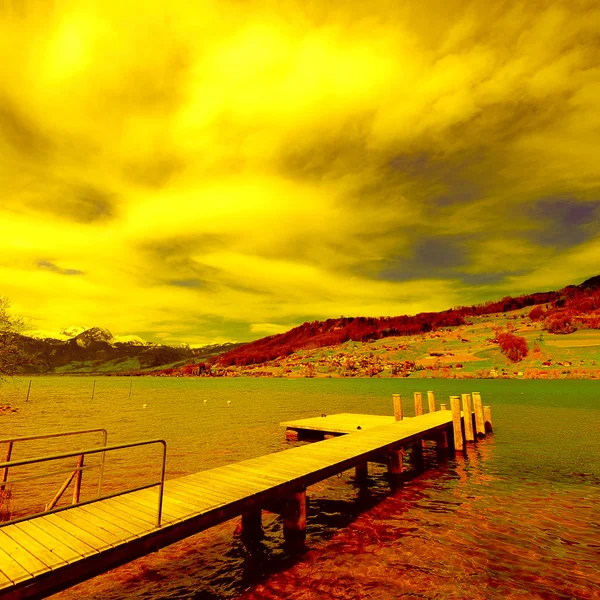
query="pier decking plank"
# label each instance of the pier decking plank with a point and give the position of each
(62, 537)
(4, 580)
(340, 423)
(39, 550)
(26, 559)
(61, 550)
(50, 552)
(12, 570)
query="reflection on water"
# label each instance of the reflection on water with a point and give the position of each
(517, 517)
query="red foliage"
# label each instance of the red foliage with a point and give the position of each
(560, 321)
(537, 313)
(514, 347)
(575, 307)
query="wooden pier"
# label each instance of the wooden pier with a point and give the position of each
(46, 553)
(333, 425)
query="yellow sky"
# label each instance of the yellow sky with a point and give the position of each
(218, 171)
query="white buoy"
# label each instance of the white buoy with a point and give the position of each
(144, 405)
(228, 401)
(205, 402)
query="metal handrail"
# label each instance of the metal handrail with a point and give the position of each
(51, 435)
(61, 472)
(81, 453)
(11, 441)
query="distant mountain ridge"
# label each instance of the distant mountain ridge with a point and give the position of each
(95, 349)
(97, 333)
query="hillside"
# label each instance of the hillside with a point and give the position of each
(557, 333)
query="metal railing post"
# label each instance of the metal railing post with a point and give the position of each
(161, 489)
(101, 476)
(7, 459)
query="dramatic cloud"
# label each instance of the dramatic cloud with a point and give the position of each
(215, 171)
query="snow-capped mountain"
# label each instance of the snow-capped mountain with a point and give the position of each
(93, 336)
(83, 336)
(71, 331)
(133, 340)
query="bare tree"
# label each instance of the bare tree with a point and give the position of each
(12, 355)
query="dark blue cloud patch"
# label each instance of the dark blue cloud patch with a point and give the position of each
(563, 222)
(20, 131)
(90, 204)
(47, 265)
(441, 253)
(489, 278)
(459, 194)
(187, 283)
(430, 257)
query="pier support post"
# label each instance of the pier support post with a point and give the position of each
(361, 472)
(294, 516)
(291, 435)
(479, 422)
(456, 422)
(431, 401)
(397, 407)
(442, 442)
(487, 418)
(416, 456)
(394, 462)
(78, 476)
(467, 414)
(252, 523)
(418, 404)
(443, 407)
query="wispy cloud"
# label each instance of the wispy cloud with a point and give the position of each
(50, 266)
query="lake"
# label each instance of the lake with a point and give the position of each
(517, 517)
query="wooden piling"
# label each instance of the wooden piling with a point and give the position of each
(130, 386)
(443, 407)
(78, 475)
(487, 419)
(252, 523)
(397, 407)
(442, 441)
(291, 435)
(361, 472)
(60, 492)
(294, 516)
(418, 404)
(456, 422)
(394, 463)
(28, 390)
(93, 389)
(466, 403)
(431, 401)
(416, 455)
(479, 421)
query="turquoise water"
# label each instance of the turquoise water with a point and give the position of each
(517, 517)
